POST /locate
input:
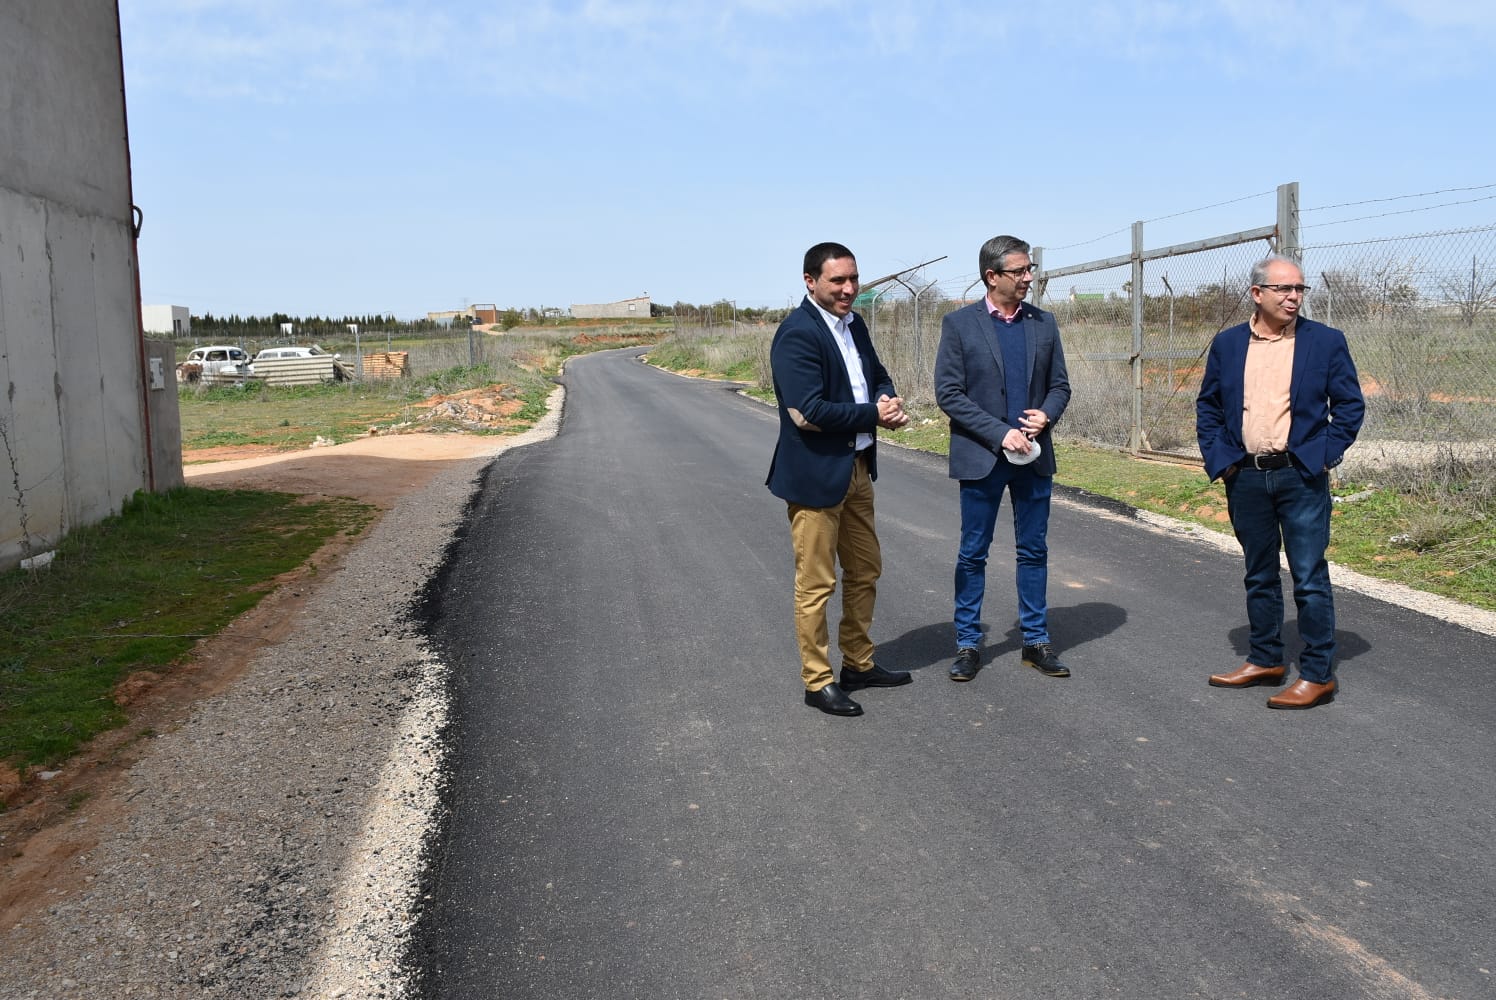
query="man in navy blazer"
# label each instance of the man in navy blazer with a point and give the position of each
(833, 395)
(1000, 377)
(1279, 405)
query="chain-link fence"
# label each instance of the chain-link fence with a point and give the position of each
(1136, 329)
(1420, 315)
(1418, 311)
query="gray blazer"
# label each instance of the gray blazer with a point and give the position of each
(970, 388)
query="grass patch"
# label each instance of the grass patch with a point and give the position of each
(136, 592)
(1420, 539)
(739, 353)
(288, 417)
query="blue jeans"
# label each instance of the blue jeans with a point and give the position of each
(980, 501)
(1273, 506)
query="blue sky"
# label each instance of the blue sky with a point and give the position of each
(400, 156)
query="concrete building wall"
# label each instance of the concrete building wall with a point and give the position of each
(74, 436)
(168, 321)
(637, 308)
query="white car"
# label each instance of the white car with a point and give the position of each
(271, 353)
(213, 362)
(298, 366)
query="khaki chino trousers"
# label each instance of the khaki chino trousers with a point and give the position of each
(821, 537)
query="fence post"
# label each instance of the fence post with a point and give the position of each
(872, 312)
(1289, 241)
(1136, 436)
(919, 348)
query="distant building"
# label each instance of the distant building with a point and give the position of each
(481, 312)
(171, 321)
(637, 308)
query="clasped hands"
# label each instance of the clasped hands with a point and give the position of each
(891, 415)
(1030, 424)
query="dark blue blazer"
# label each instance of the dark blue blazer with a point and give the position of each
(971, 389)
(1324, 399)
(818, 418)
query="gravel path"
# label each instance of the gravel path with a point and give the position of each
(271, 845)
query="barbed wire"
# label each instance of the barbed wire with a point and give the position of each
(1398, 197)
(1394, 239)
(1405, 211)
(1161, 218)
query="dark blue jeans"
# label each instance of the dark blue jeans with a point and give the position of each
(1278, 508)
(980, 502)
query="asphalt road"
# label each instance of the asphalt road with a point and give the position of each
(642, 807)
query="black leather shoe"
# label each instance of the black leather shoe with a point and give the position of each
(968, 662)
(831, 701)
(1043, 658)
(873, 677)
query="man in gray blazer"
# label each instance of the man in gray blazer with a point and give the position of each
(1000, 378)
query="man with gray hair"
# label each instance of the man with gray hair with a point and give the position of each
(1000, 377)
(1279, 405)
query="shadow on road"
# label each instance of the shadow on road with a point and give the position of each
(1071, 626)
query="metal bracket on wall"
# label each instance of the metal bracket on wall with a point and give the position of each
(139, 218)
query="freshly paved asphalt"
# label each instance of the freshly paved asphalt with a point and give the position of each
(640, 805)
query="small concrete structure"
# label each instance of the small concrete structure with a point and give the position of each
(479, 312)
(167, 321)
(635, 308)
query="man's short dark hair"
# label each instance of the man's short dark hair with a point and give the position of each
(995, 251)
(817, 256)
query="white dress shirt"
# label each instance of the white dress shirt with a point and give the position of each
(841, 332)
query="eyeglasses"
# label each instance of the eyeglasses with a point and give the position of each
(1016, 271)
(1285, 289)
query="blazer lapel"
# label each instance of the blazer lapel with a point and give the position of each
(1303, 345)
(985, 332)
(840, 379)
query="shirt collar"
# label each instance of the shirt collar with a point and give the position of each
(832, 320)
(1288, 331)
(996, 311)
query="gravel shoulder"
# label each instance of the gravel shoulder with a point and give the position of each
(257, 830)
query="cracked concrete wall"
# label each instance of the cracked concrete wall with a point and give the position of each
(73, 424)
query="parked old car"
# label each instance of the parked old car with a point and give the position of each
(216, 362)
(298, 366)
(273, 353)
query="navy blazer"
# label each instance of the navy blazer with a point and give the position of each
(1324, 398)
(971, 389)
(818, 418)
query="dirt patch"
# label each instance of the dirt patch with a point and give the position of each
(375, 469)
(485, 408)
(226, 453)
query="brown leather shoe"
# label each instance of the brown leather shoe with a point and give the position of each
(1248, 674)
(1303, 694)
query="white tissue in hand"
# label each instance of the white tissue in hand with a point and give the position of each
(1019, 458)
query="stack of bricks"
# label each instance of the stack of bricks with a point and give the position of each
(387, 365)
